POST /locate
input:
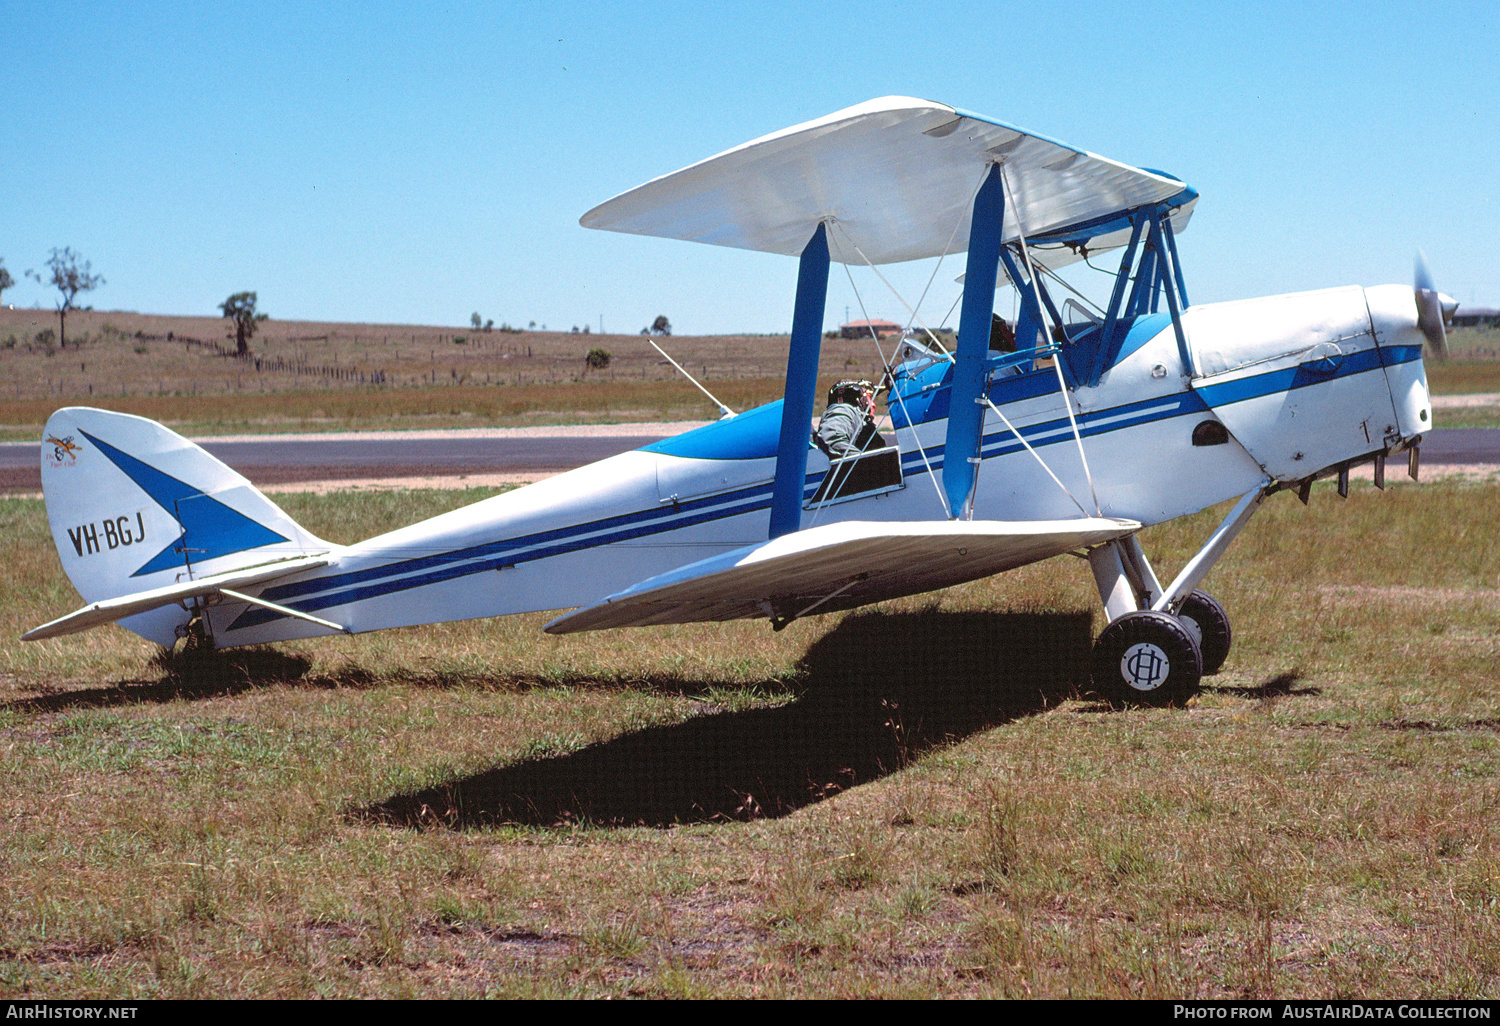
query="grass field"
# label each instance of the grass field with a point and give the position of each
(316, 377)
(914, 801)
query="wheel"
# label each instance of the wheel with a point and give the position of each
(1208, 622)
(1146, 658)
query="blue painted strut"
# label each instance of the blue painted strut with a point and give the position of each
(965, 415)
(801, 383)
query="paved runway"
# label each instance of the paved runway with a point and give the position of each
(278, 459)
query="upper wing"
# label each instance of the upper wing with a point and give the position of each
(897, 178)
(838, 566)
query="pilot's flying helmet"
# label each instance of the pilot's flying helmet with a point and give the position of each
(854, 391)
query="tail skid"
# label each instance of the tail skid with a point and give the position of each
(148, 525)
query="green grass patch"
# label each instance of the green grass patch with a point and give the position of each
(1467, 417)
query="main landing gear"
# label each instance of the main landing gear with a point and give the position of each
(1161, 641)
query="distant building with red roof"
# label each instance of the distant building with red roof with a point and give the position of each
(862, 329)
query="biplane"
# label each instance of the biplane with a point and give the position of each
(1096, 421)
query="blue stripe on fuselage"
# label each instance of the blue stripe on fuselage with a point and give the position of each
(1305, 375)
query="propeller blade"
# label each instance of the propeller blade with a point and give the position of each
(1430, 308)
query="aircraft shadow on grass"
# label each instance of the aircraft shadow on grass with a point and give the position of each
(185, 676)
(879, 690)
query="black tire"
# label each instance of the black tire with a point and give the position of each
(1146, 658)
(1212, 624)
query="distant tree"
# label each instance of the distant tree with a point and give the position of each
(597, 358)
(661, 326)
(476, 320)
(6, 281)
(489, 324)
(240, 307)
(69, 279)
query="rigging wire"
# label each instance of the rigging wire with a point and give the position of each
(1049, 272)
(957, 224)
(1057, 362)
(900, 401)
(913, 313)
(1020, 438)
(913, 318)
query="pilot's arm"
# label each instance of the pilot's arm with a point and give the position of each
(837, 430)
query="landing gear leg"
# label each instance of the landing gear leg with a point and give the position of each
(1139, 658)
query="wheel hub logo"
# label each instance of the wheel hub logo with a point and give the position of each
(1145, 667)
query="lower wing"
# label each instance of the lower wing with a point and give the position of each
(838, 566)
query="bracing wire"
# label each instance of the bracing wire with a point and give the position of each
(1049, 272)
(913, 317)
(1020, 438)
(900, 401)
(956, 300)
(1056, 363)
(912, 311)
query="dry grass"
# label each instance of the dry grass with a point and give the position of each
(315, 376)
(349, 376)
(912, 802)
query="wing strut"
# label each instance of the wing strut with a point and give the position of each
(801, 382)
(965, 414)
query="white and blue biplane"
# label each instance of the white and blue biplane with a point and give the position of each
(1096, 422)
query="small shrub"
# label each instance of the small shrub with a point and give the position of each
(598, 358)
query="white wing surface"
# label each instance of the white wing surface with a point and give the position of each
(838, 566)
(897, 178)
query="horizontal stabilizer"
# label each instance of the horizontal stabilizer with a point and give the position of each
(96, 614)
(838, 566)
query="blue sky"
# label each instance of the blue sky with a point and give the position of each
(416, 163)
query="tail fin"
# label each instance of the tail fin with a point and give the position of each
(134, 506)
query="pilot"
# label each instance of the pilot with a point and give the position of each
(847, 426)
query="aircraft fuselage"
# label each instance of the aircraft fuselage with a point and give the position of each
(1300, 383)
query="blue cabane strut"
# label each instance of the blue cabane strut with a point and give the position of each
(1158, 272)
